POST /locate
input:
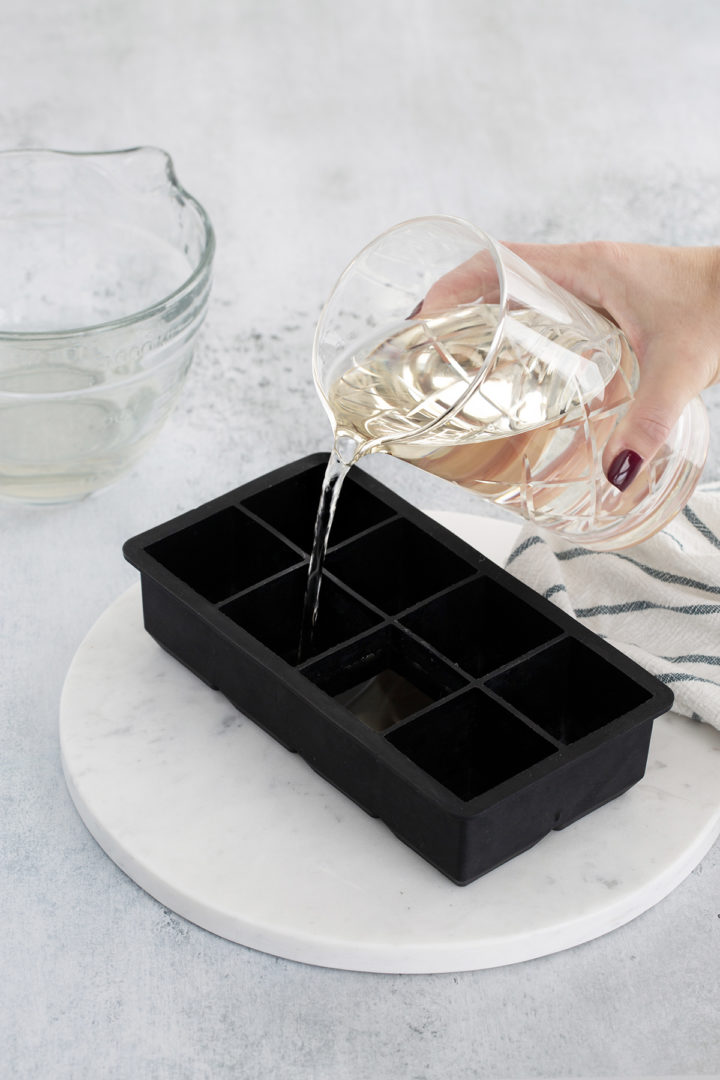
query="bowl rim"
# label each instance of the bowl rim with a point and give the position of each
(143, 314)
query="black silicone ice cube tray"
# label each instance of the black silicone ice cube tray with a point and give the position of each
(443, 696)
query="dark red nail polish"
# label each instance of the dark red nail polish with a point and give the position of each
(624, 469)
(415, 310)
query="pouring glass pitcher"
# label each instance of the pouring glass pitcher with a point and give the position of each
(441, 347)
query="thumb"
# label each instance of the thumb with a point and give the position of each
(665, 388)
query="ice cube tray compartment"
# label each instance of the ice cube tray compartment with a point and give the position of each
(224, 554)
(471, 744)
(482, 625)
(397, 565)
(584, 692)
(272, 613)
(290, 507)
(384, 677)
(441, 695)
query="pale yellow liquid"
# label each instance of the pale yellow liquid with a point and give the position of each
(529, 437)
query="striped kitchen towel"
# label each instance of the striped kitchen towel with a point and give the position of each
(658, 602)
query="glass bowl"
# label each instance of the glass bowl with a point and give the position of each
(104, 283)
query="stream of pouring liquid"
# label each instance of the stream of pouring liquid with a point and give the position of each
(342, 457)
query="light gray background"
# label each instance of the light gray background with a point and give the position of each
(306, 127)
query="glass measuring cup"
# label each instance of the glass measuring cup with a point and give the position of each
(104, 283)
(440, 346)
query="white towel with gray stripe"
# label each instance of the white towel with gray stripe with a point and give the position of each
(658, 602)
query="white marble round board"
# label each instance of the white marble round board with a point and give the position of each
(218, 822)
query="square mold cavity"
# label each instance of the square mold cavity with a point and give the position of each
(291, 507)
(583, 692)
(272, 613)
(482, 625)
(385, 677)
(471, 744)
(397, 566)
(472, 724)
(223, 554)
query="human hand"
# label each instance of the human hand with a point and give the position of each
(667, 302)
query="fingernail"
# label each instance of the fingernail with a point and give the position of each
(624, 469)
(416, 309)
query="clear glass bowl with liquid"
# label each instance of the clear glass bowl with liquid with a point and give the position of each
(104, 282)
(440, 346)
